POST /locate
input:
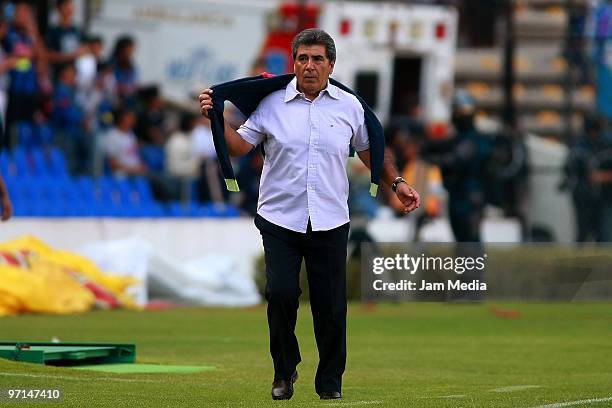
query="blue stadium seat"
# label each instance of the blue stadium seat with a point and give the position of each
(5, 163)
(151, 210)
(126, 191)
(85, 188)
(57, 162)
(203, 211)
(217, 210)
(20, 160)
(177, 209)
(143, 189)
(39, 163)
(154, 157)
(26, 136)
(44, 135)
(231, 211)
(108, 191)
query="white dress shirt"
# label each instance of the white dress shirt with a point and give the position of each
(307, 147)
(122, 147)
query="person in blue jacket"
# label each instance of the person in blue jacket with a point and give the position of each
(307, 128)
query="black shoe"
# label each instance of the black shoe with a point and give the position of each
(283, 389)
(330, 395)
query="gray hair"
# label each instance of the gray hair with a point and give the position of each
(314, 36)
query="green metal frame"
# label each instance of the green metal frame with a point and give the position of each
(67, 353)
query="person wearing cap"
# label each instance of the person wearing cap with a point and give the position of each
(306, 130)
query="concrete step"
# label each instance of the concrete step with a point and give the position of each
(550, 23)
(548, 4)
(543, 123)
(529, 98)
(537, 63)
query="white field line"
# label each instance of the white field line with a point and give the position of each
(573, 403)
(64, 377)
(374, 402)
(512, 388)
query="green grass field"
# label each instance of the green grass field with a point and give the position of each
(408, 355)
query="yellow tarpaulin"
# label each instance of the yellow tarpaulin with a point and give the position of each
(35, 278)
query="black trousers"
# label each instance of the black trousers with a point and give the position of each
(325, 255)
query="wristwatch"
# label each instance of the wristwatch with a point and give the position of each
(396, 183)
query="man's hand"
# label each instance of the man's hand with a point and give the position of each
(206, 101)
(7, 208)
(601, 176)
(236, 145)
(408, 196)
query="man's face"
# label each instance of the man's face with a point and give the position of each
(96, 48)
(69, 76)
(22, 15)
(66, 11)
(128, 121)
(312, 68)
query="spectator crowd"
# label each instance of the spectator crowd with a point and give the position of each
(58, 88)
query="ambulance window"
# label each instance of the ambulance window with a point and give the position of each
(366, 86)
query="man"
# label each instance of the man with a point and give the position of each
(67, 119)
(463, 160)
(64, 41)
(579, 178)
(306, 130)
(23, 91)
(122, 148)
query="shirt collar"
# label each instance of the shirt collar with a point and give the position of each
(291, 92)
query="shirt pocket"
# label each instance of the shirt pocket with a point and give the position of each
(336, 137)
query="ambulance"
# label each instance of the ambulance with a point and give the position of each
(398, 56)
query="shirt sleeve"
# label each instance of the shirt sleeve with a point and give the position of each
(252, 130)
(360, 139)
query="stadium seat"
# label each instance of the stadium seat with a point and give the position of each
(143, 189)
(45, 135)
(217, 210)
(85, 188)
(108, 191)
(177, 209)
(153, 210)
(5, 163)
(154, 157)
(57, 162)
(127, 193)
(26, 136)
(20, 159)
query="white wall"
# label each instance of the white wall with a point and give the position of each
(188, 239)
(182, 239)
(547, 206)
